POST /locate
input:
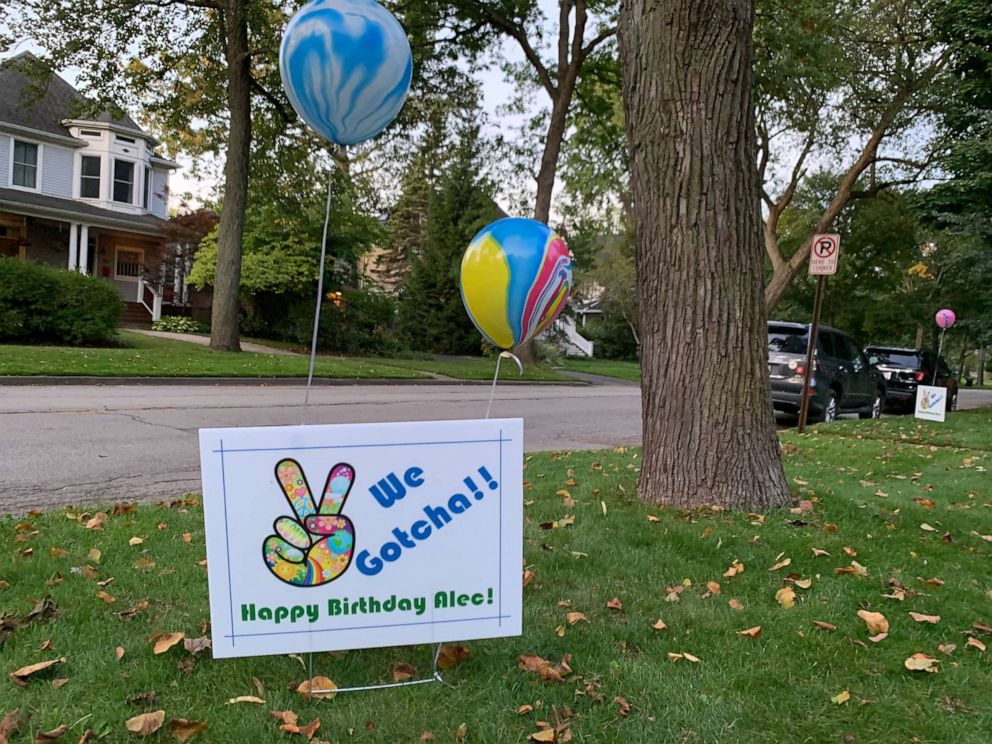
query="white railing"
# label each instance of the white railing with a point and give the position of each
(151, 299)
(572, 342)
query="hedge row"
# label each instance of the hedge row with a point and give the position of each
(44, 304)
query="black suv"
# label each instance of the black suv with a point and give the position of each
(904, 369)
(842, 380)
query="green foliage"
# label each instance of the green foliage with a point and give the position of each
(178, 324)
(432, 316)
(44, 304)
(612, 337)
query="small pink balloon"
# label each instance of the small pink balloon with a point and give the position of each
(945, 318)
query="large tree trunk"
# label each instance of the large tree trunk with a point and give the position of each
(708, 429)
(224, 333)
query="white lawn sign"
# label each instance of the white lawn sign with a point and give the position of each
(323, 538)
(931, 403)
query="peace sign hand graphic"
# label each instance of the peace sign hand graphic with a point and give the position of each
(316, 546)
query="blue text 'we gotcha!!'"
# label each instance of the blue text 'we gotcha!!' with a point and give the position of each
(387, 491)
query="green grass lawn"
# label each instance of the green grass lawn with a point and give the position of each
(910, 502)
(606, 367)
(147, 356)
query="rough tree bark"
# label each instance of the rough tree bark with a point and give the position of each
(708, 428)
(224, 332)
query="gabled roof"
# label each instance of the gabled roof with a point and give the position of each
(59, 101)
(54, 207)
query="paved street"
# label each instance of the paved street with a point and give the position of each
(72, 444)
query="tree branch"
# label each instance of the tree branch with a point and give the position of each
(514, 30)
(283, 112)
(597, 40)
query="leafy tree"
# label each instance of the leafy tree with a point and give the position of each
(687, 90)
(432, 316)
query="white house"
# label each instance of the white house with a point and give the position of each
(88, 194)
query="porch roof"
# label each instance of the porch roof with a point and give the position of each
(67, 210)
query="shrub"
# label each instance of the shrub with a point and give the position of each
(42, 303)
(178, 324)
(362, 322)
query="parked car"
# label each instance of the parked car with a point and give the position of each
(842, 380)
(904, 369)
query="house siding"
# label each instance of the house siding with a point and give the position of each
(159, 206)
(56, 171)
(4, 160)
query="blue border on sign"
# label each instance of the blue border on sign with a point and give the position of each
(499, 617)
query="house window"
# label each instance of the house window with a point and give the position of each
(129, 140)
(124, 181)
(148, 188)
(89, 177)
(89, 133)
(128, 264)
(25, 172)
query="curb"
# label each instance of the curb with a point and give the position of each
(39, 380)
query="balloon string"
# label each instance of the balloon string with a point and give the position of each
(320, 297)
(492, 391)
(940, 347)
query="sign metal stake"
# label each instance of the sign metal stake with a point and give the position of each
(824, 252)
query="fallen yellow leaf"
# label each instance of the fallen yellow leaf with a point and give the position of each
(164, 641)
(246, 699)
(735, 605)
(318, 688)
(975, 643)
(146, 724)
(785, 597)
(135, 541)
(660, 625)
(921, 618)
(921, 663)
(841, 697)
(781, 564)
(875, 621)
(750, 632)
(575, 617)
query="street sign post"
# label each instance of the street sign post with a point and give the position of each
(823, 254)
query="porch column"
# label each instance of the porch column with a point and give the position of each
(84, 249)
(73, 246)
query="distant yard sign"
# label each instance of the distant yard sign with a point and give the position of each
(931, 403)
(823, 255)
(322, 538)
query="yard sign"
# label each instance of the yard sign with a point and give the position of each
(931, 403)
(322, 538)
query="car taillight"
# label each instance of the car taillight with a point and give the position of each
(801, 368)
(920, 376)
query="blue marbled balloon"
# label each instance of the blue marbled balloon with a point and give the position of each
(346, 67)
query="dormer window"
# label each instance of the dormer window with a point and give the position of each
(25, 165)
(124, 181)
(90, 133)
(128, 140)
(89, 177)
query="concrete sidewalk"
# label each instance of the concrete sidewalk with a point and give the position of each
(205, 341)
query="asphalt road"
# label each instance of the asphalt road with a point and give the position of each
(75, 444)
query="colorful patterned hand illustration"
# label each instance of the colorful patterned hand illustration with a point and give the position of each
(316, 546)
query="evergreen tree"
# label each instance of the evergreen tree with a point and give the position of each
(432, 317)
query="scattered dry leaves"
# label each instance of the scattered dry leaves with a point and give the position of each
(614, 604)
(44, 737)
(659, 625)
(841, 697)
(545, 669)
(575, 617)
(248, 699)
(824, 626)
(750, 632)
(975, 643)
(401, 671)
(921, 618)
